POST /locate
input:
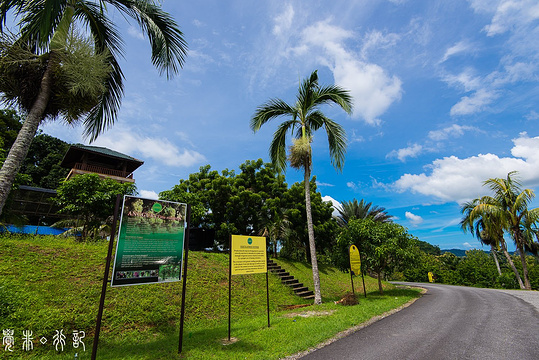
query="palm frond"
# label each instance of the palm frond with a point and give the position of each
(169, 47)
(272, 109)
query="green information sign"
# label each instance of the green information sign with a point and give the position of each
(150, 242)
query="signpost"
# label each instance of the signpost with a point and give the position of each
(248, 255)
(149, 249)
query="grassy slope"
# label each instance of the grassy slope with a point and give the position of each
(49, 283)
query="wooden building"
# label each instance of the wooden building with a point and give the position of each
(107, 163)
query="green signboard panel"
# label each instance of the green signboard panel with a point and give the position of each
(150, 242)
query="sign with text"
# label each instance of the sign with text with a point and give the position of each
(150, 242)
(248, 255)
(355, 260)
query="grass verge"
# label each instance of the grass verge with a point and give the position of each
(49, 283)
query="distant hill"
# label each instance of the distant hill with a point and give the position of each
(462, 253)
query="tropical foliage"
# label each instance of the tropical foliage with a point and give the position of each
(49, 69)
(90, 200)
(302, 120)
(506, 210)
(350, 210)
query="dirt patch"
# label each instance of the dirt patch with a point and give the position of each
(310, 313)
(292, 307)
(229, 342)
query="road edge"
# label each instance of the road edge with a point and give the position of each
(355, 328)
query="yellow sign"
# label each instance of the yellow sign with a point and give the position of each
(248, 255)
(431, 277)
(355, 260)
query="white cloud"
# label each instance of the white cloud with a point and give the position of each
(459, 180)
(474, 103)
(148, 194)
(532, 115)
(414, 219)
(283, 21)
(336, 205)
(410, 151)
(159, 149)
(467, 244)
(454, 130)
(460, 47)
(507, 14)
(135, 32)
(371, 87)
(324, 184)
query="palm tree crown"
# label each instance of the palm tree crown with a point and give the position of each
(304, 118)
(361, 210)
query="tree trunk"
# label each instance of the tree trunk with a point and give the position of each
(380, 283)
(493, 251)
(310, 230)
(510, 261)
(522, 252)
(20, 147)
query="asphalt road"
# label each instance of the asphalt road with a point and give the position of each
(448, 322)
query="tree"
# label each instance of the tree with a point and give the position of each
(45, 88)
(91, 199)
(384, 247)
(360, 210)
(508, 210)
(303, 119)
(231, 203)
(486, 232)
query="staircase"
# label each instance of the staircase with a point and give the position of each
(287, 279)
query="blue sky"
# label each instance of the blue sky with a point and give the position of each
(445, 96)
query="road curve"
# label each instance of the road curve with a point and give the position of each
(448, 322)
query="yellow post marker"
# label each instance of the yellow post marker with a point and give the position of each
(431, 277)
(355, 260)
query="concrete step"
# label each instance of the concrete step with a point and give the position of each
(290, 281)
(306, 294)
(287, 278)
(295, 285)
(282, 274)
(301, 289)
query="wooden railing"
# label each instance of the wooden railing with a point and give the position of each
(102, 170)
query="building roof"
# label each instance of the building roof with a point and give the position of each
(101, 154)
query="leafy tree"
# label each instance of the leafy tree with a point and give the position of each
(91, 199)
(304, 118)
(48, 75)
(43, 161)
(360, 210)
(428, 248)
(508, 208)
(231, 203)
(384, 247)
(296, 245)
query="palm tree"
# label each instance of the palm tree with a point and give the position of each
(509, 205)
(360, 210)
(45, 27)
(303, 119)
(486, 232)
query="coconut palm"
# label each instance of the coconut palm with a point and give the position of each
(360, 210)
(509, 205)
(302, 120)
(487, 232)
(41, 48)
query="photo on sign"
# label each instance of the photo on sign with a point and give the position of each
(150, 242)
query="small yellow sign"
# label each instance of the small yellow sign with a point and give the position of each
(355, 260)
(248, 255)
(431, 277)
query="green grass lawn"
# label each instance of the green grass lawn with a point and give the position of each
(51, 283)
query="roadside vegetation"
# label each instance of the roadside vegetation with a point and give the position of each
(52, 283)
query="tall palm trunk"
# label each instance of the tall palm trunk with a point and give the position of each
(493, 252)
(310, 231)
(510, 261)
(20, 147)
